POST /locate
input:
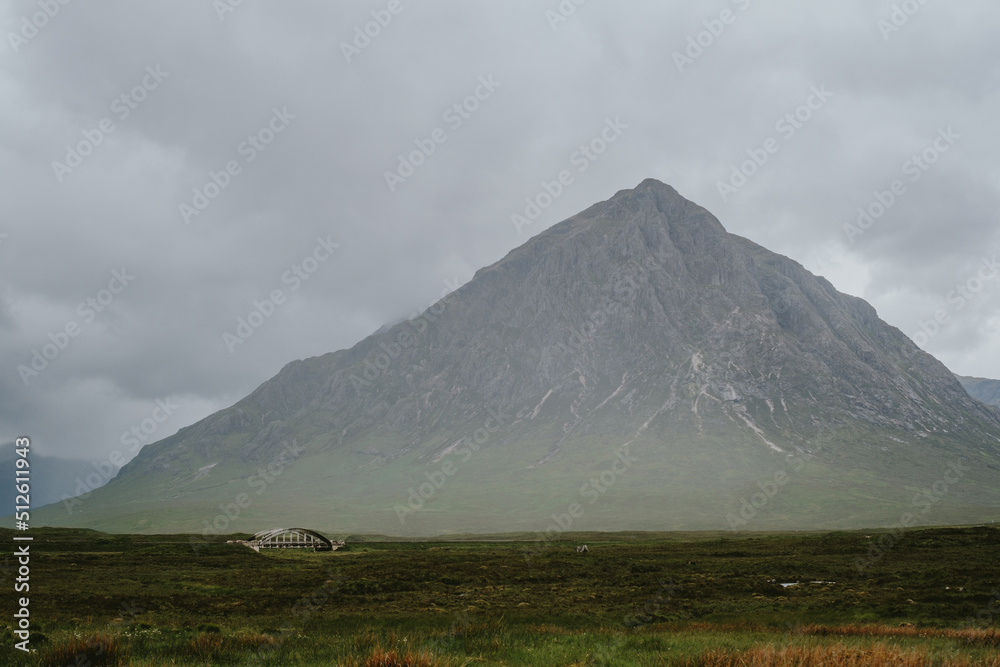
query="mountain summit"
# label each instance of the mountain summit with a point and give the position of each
(633, 367)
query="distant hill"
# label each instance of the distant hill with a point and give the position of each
(52, 478)
(987, 391)
(635, 367)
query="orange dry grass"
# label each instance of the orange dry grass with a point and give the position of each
(974, 636)
(831, 656)
(101, 649)
(548, 630)
(212, 645)
(382, 658)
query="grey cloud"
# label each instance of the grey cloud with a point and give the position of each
(324, 174)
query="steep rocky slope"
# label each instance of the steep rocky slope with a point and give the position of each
(635, 363)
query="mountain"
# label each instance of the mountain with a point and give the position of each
(52, 478)
(633, 367)
(987, 391)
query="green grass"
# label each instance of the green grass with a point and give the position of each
(649, 600)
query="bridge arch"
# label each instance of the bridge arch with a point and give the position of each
(291, 538)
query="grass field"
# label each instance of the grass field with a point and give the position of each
(926, 597)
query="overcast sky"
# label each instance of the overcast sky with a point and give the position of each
(286, 117)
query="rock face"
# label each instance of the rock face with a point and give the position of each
(981, 389)
(632, 367)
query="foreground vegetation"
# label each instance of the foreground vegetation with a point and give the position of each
(924, 597)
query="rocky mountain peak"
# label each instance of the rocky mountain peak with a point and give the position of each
(640, 323)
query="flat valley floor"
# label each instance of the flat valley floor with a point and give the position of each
(922, 597)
